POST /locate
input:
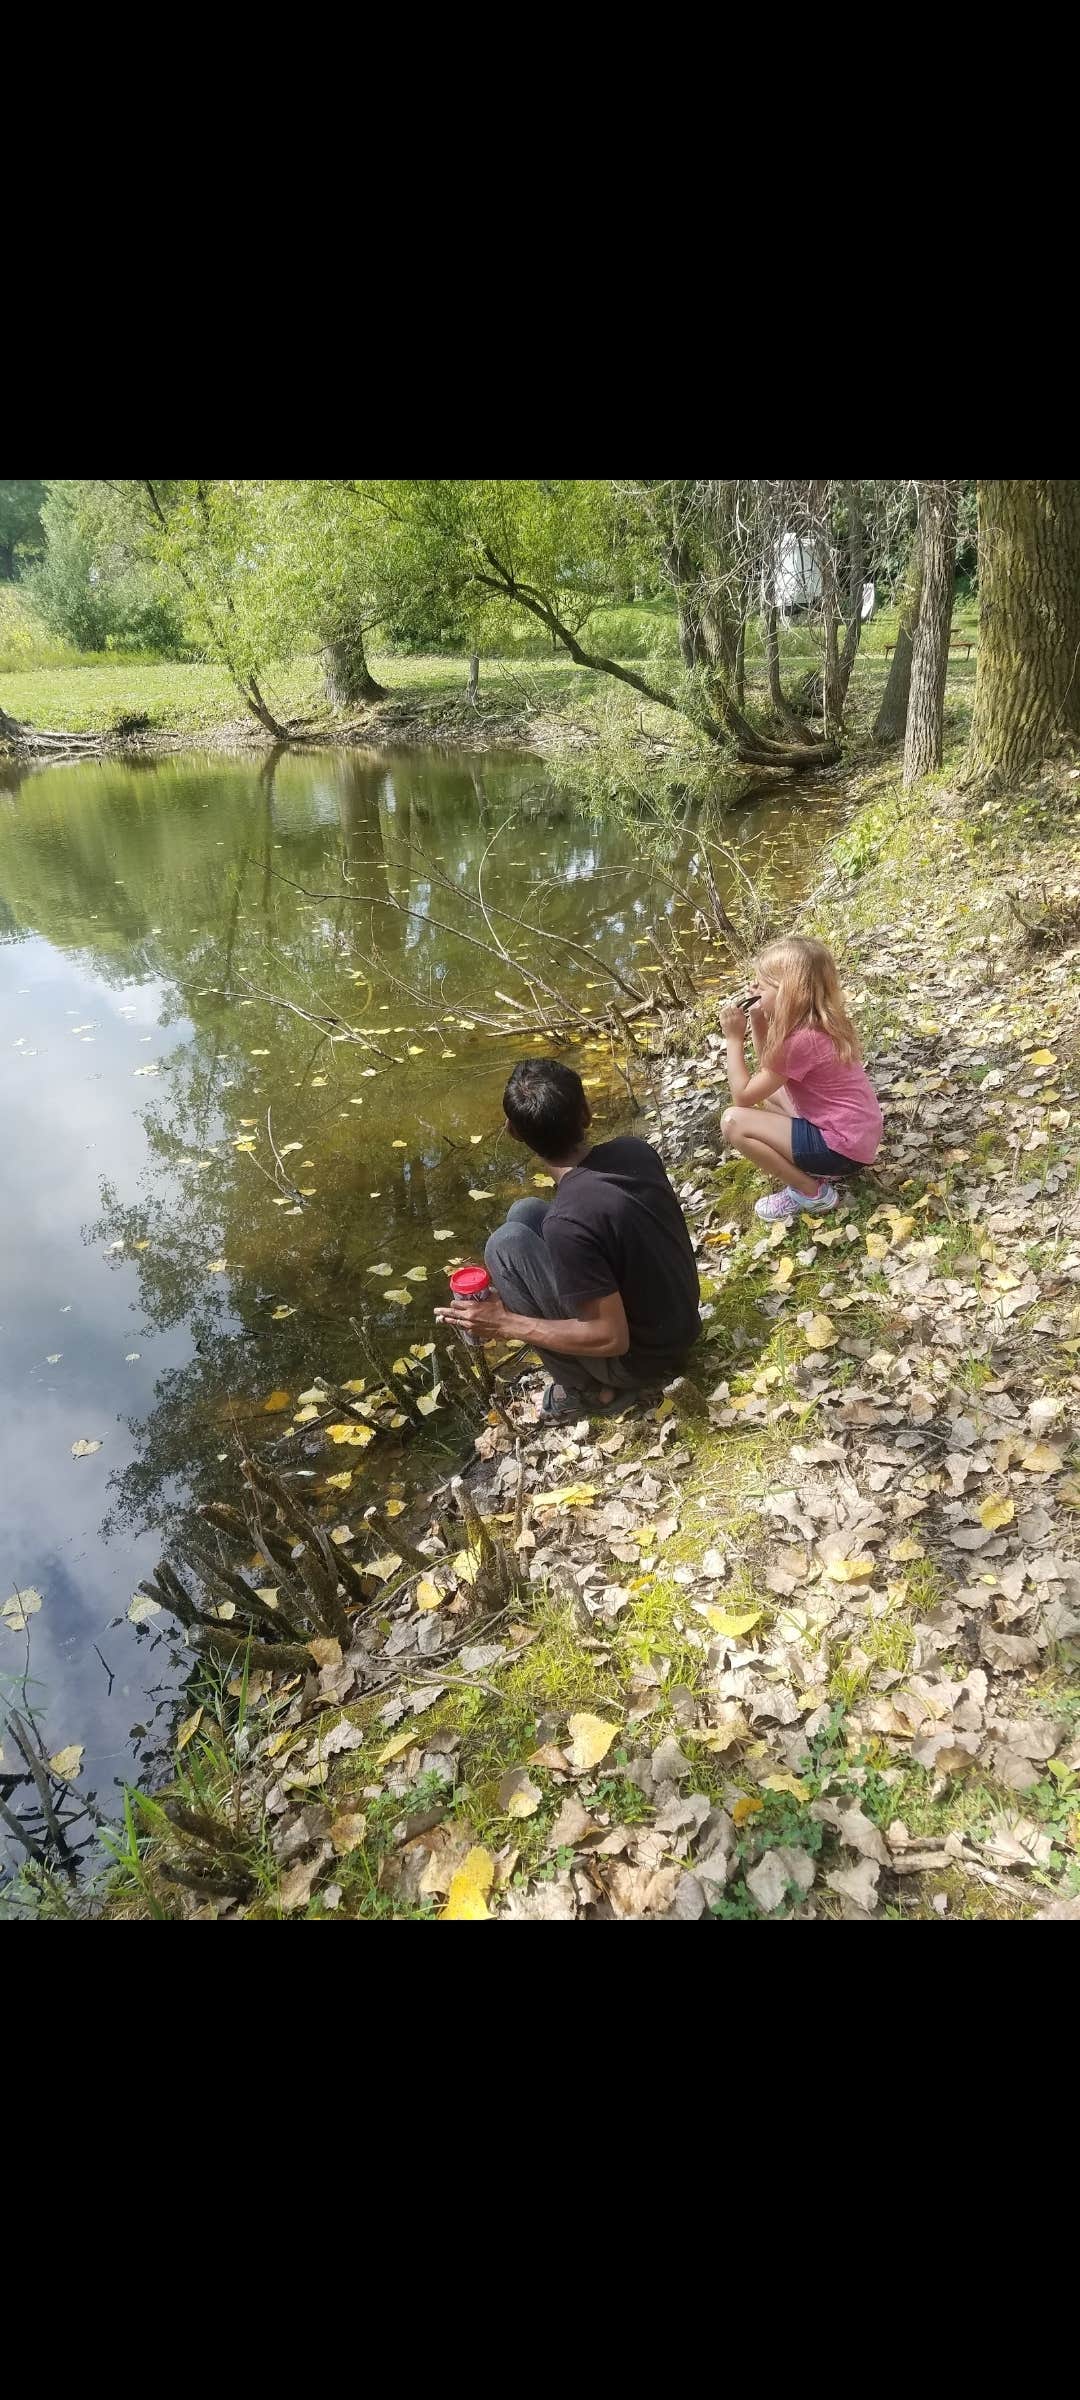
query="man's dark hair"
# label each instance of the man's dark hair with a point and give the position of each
(546, 1107)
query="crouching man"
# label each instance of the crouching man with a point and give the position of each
(601, 1280)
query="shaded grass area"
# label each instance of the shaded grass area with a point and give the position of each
(67, 692)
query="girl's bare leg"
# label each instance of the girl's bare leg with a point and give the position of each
(766, 1141)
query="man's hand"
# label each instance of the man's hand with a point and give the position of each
(486, 1318)
(733, 1024)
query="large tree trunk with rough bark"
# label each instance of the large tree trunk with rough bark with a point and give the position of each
(349, 681)
(1027, 684)
(891, 718)
(930, 643)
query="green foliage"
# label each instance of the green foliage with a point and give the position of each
(96, 585)
(21, 536)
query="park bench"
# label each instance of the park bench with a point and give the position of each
(957, 641)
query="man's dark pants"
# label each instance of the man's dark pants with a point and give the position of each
(519, 1264)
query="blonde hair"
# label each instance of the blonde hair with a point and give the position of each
(808, 993)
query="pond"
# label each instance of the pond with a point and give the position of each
(163, 1277)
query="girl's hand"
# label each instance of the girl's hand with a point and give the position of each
(733, 1024)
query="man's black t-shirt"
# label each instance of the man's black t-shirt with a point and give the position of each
(615, 1225)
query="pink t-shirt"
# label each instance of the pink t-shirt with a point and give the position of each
(838, 1098)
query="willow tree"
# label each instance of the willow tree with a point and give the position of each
(1027, 683)
(557, 551)
(930, 636)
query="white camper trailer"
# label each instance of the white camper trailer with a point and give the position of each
(797, 577)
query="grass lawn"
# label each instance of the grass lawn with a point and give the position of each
(91, 696)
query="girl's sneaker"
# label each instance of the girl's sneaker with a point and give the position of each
(790, 1203)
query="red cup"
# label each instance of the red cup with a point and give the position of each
(470, 1283)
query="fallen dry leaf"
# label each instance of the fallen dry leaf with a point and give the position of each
(590, 1740)
(469, 1889)
(518, 1795)
(731, 1626)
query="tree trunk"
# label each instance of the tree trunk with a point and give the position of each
(1027, 683)
(930, 645)
(853, 633)
(891, 718)
(349, 681)
(472, 688)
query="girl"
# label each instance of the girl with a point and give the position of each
(810, 1111)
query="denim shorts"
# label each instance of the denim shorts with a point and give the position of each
(811, 1152)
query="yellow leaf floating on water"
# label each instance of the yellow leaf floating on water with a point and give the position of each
(849, 1570)
(398, 1293)
(394, 1508)
(821, 1333)
(416, 1050)
(399, 1366)
(358, 1384)
(383, 1268)
(218, 1266)
(383, 1567)
(997, 1511)
(478, 1195)
(340, 1483)
(590, 1740)
(278, 1313)
(306, 1416)
(567, 1495)
(731, 1626)
(466, 1565)
(399, 1145)
(314, 1392)
(142, 1607)
(444, 1233)
(317, 1082)
(358, 1436)
(276, 1401)
(84, 1449)
(782, 1781)
(548, 1180)
(19, 1607)
(428, 1594)
(469, 1888)
(421, 1350)
(428, 1402)
(67, 1763)
(268, 1594)
(416, 1274)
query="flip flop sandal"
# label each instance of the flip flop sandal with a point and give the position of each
(572, 1406)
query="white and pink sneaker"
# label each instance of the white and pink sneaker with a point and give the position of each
(790, 1203)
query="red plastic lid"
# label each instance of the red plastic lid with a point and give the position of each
(469, 1282)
